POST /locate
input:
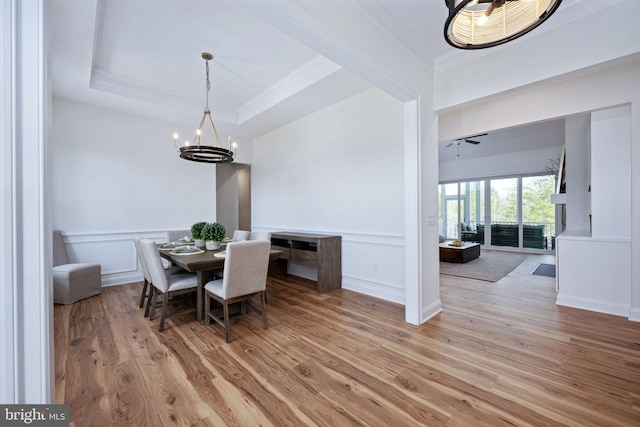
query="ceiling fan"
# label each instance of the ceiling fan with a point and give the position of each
(468, 139)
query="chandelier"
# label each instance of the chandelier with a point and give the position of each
(477, 24)
(206, 153)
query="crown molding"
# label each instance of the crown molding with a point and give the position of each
(308, 74)
(130, 88)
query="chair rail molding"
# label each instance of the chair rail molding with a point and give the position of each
(113, 250)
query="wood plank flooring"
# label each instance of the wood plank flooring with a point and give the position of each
(500, 354)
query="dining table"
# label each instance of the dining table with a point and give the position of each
(204, 264)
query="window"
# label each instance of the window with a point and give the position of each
(513, 212)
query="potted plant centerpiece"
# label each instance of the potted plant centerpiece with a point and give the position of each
(196, 233)
(213, 233)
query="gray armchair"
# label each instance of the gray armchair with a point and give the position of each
(75, 281)
(468, 233)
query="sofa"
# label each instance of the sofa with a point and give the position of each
(507, 235)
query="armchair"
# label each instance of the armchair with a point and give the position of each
(72, 281)
(467, 232)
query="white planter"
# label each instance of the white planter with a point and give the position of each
(199, 243)
(212, 246)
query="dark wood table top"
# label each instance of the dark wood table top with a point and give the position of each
(204, 261)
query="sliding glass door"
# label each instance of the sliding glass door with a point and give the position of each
(514, 212)
(538, 213)
(503, 227)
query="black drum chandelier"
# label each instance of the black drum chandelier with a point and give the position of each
(206, 153)
(478, 24)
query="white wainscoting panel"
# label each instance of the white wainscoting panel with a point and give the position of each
(594, 273)
(114, 251)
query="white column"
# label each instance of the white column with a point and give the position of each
(412, 214)
(26, 300)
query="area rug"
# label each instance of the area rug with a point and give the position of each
(548, 270)
(491, 266)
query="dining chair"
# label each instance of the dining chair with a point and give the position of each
(176, 235)
(245, 276)
(260, 235)
(240, 235)
(147, 284)
(72, 281)
(163, 284)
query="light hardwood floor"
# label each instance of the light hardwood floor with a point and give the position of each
(500, 354)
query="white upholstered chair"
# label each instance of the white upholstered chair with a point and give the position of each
(245, 276)
(147, 285)
(163, 284)
(72, 281)
(260, 235)
(240, 235)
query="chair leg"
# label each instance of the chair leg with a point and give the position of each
(263, 299)
(153, 299)
(207, 308)
(226, 319)
(144, 293)
(165, 303)
(149, 297)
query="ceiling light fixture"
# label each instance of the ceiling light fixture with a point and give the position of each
(478, 24)
(206, 153)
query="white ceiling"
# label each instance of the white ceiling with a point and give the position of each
(522, 138)
(275, 60)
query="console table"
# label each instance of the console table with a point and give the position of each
(324, 253)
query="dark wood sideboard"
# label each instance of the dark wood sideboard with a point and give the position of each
(322, 252)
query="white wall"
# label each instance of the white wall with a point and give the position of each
(116, 175)
(593, 37)
(340, 171)
(594, 269)
(611, 186)
(588, 90)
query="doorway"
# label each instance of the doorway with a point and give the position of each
(233, 196)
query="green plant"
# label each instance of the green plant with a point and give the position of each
(196, 230)
(213, 232)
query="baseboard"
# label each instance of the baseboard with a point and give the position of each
(634, 314)
(122, 278)
(380, 290)
(598, 306)
(432, 310)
